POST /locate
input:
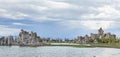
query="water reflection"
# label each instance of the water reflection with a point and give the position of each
(57, 51)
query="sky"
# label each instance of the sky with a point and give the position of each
(59, 18)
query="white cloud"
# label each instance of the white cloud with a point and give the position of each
(8, 1)
(88, 24)
(37, 9)
(24, 9)
(13, 15)
(84, 13)
(106, 12)
(5, 30)
(97, 24)
(58, 5)
(20, 24)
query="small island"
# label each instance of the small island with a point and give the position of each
(31, 39)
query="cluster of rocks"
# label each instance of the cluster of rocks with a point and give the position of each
(100, 35)
(6, 41)
(32, 39)
(25, 39)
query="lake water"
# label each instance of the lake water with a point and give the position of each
(57, 51)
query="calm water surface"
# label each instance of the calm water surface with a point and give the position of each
(57, 51)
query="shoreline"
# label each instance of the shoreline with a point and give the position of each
(78, 46)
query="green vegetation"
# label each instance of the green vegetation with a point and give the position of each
(108, 40)
(98, 40)
(104, 42)
(91, 40)
(115, 45)
(92, 45)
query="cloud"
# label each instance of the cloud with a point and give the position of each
(35, 10)
(104, 13)
(44, 10)
(12, 15)
(97, 24)
(5, 30)
(58, 5)
(89, 24)
(77, 14)
(20, 24)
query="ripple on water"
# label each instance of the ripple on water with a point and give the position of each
(57, 51)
